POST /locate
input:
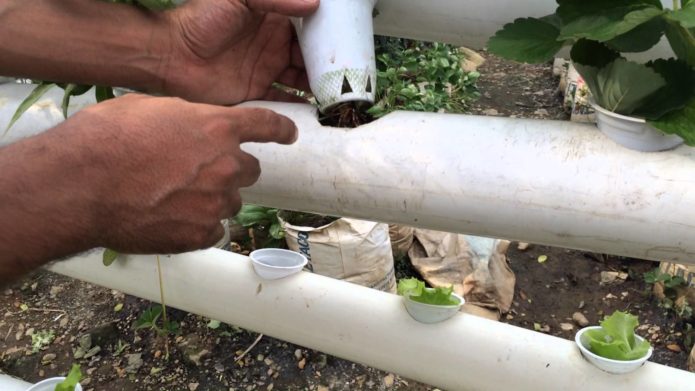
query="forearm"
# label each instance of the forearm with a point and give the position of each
(47, 209)
(83, 41)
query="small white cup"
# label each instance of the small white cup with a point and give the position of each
(50, 385)
(616, 367)
(429, 313)
(337, 44)
(275, 263)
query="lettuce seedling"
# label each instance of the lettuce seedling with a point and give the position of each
(616, 338)
(417, 291)
(71, 380)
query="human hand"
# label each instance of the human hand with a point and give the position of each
(163, 172)
(230, 51)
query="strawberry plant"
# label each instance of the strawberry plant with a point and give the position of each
(420, 76)
(599, 33)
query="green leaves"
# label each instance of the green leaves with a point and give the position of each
(662, 91)
(152, 5)
(261, 218)
(624, 25)
(571, 10)
(681, 122)
(679, 89)
(109, 257)
(102, 93)
(684, 16)
(157, 5)
(421, 77)
(609, 23)
(682, 41)
(149, 319)
(416, 291)
(71, 380)
(29, 101)
(624, 85)
(616, 338)
(589, 57)
(527, 40)
(70, 91)
(251, 215)
(641, 38)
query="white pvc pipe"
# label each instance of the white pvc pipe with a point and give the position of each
(548, 182)
(367, 326)
(467, 22)
(9, 383)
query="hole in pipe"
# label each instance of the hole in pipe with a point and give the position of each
(347, 115)
(347, 88)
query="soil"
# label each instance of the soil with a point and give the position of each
(208, 356)
(346, 115)
(301, 219)
(517, 90)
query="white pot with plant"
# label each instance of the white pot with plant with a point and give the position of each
(643, 106)
(69, 383)
(337, 44)
(613, 346)
(429, 305)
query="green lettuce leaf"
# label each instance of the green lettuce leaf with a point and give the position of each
(109, 257)
(416, 290)
(528, 40)
(589, 57)
(616, 338)
(71, 380)
(410, 286)
(623, 86)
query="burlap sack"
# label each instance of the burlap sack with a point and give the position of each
(356, 251)
(401, 239)
(476, 267)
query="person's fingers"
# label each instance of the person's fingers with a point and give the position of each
(278, 95)
(295, 78)
(262, 126)
(215, 235)
(285, 7)
(250, 169)
(234, 202)
(296, 57)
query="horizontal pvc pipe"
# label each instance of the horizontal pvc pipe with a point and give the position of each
(540, 181)
(550, 182)
(367, 326)
(467, 22)
(9, 383)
